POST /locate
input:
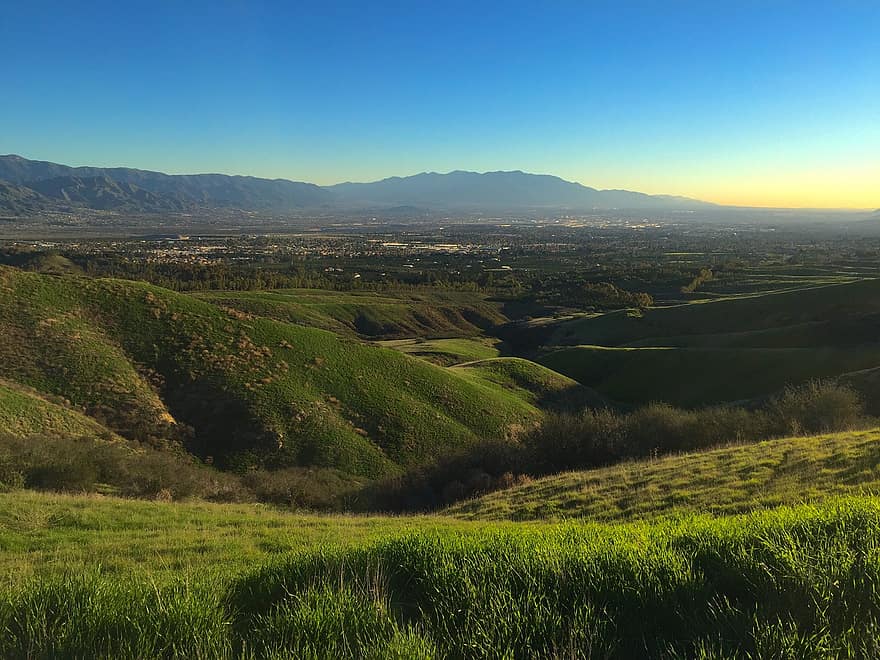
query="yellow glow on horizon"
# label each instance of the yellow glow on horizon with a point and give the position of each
(850, 187)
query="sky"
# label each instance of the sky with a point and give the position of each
(764, 103)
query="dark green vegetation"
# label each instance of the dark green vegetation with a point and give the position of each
(730, 349)
(789, 583)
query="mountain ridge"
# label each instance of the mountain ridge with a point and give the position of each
(124, 189)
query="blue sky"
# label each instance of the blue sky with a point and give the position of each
(771, 102)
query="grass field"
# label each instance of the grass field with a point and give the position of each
(702, 376)
(727, 480)
(789, 583)
(47, 535)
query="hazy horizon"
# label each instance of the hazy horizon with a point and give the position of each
(752, 105)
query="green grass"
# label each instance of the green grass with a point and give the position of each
(533, 382)
(370, 314)
(702, 376)
(790, 583)
(23, 412)
(45, 535)
(446, 352)
(138, 357)
(733, 479)
(823, 307)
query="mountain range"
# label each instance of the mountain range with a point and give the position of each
(29, 186)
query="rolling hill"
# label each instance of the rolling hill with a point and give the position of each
(369, 314)
(728, 480)
(728, 320)
(148, 362)
(25, 412)
(722, 350)
(693, 377)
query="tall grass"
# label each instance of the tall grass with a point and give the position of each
(791, 583)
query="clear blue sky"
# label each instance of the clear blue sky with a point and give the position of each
(734, 101)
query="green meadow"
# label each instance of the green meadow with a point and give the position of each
(793, 582)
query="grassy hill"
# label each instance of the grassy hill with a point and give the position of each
(804, 310)
(702, 376)
(24, 412)
(369, 314)
(728, 480)
(145, 360)
(446, 351)
(531, 381)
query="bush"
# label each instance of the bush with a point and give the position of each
(88, 465)
(311, 488)
(817, 407)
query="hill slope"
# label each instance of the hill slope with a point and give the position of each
(369, 314)
(725, 321)
(148, 361)
(23, 412)
(728, 480)
(702, 376)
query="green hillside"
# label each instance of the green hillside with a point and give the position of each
(722, 481)
(702, 376)
(809, 311)
(369, 314)
(446, 351)
(533, 382)
(23, 412)
(146, 360)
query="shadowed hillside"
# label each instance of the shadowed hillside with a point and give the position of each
(369, 314)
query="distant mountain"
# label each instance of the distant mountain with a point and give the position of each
(105, 194)
(20, 199)
(499, 190)
(129, 190)
(189, 191)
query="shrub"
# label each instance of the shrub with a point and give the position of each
(92, 465)
(817, 407)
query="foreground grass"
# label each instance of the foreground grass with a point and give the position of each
(50, 534)
(791, 583)
(729, 480)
